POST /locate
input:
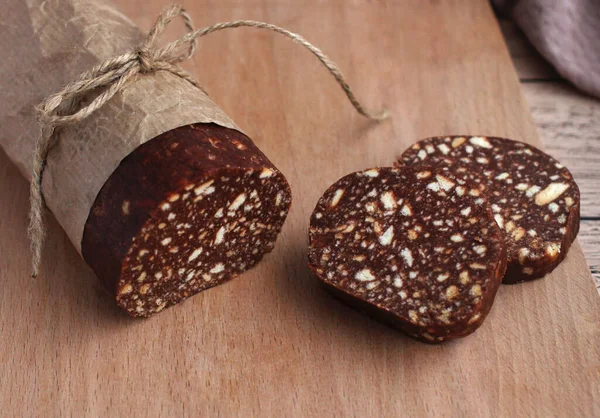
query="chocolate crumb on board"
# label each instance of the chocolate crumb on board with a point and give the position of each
(415, 248)
(186, 211)
(534, 198)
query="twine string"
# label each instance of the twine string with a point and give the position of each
(113, 75)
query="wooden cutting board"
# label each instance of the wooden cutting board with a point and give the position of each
(272, 342)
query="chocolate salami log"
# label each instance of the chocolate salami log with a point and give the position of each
(184, 212)
(159, 190)
(534, 198)
(415, 248)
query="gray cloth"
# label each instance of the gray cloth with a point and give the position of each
(565, 32)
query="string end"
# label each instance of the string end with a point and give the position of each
(382, 115)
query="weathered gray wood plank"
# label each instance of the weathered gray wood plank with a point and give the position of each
(569, 125)
(589, 239)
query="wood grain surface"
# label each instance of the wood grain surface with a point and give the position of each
(569, 125)
(272, 343)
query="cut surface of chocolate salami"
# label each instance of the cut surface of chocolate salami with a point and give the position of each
(186, 211)
(534, 198)
(415, 248)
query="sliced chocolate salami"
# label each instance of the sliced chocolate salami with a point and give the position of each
(184, 212)
(415, 248)
(534, 198)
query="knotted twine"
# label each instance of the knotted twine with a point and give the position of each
(64, 108)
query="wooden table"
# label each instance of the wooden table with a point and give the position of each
(272, 342)
(569, 125)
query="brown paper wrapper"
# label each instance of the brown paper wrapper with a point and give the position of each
(47, 44)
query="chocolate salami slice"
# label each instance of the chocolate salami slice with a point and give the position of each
(415, 248)
(186, 211)
(534, 198)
